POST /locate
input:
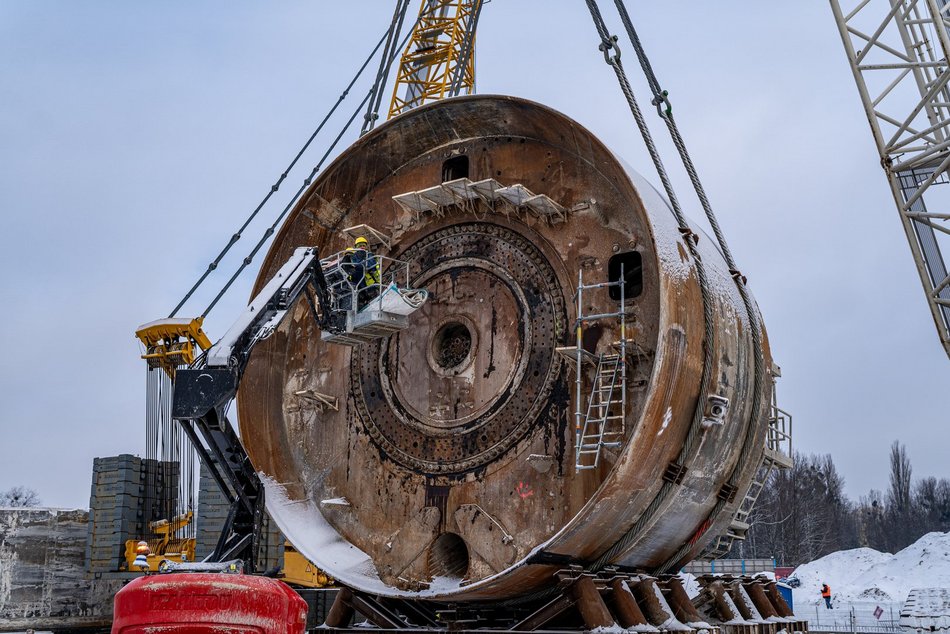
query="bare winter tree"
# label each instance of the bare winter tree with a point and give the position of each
(932, 504)
(898, 495)
(802, 514)
(19, 497)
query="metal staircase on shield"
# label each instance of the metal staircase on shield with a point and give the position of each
(778, 455)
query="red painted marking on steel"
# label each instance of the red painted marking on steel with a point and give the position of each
(700, 531)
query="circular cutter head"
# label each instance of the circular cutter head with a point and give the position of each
(442, 460)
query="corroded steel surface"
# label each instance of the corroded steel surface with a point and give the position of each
(448, 468)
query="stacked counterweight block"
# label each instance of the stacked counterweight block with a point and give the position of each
(212, 513)
(128, 492)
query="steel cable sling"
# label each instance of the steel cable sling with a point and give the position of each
(609, 42)
(459, 76)
(660, 99)
(303, 187)
(283, 176)
(385, 64)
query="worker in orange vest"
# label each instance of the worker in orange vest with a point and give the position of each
(826, 594)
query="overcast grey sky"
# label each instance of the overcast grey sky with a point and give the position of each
(135, 137)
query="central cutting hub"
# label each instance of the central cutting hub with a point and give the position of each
(452, 346)
(471, 376)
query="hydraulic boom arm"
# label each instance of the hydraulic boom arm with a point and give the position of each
(204, 391)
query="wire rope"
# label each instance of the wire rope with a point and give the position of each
(306, 183)
(608, 44)
(665, 111)
(466, 51)
(276, 186)
(385, 64)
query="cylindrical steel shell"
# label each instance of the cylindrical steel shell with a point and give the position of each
(459, 480)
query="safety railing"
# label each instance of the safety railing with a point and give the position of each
(357, 278)
(857, 616)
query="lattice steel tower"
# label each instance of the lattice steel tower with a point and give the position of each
(898, 51)
(439, 60)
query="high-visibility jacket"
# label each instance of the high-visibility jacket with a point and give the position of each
(364, 264)
(372, 267)
(826, 591)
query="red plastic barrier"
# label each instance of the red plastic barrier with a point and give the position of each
(198, 603)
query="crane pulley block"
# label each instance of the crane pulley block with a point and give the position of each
(173, 342)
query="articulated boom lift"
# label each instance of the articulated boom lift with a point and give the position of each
(346, 311)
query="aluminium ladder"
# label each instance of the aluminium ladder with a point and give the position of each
(602, 423)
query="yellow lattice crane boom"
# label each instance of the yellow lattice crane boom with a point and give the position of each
(439, 60)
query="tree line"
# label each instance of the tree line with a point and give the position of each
(19, 497)
(803, 514)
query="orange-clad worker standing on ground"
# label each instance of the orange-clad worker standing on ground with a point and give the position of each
(826, 594)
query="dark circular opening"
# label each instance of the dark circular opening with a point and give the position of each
(452, 345)
(448, 557)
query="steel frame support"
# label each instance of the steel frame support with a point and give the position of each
(898, 52)
(439, 60)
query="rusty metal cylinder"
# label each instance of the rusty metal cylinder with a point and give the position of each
(441, 461)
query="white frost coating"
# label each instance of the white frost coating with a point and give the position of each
(732, 606)
(335, 502)
(304, 526)
(645, 628)
(8, 561)
(665, 231)
(666, 237)
(444, 584)
(747, 601)
(926, 609)
(667, 417)
(613, 629)
(690, 584)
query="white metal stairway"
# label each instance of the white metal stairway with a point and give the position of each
(777, 455)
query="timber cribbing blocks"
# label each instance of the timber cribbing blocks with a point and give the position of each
(579, 600)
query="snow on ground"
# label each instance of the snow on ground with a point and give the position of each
(870, 586)
(864, 574)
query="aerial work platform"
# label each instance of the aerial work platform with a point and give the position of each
(372, 299)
